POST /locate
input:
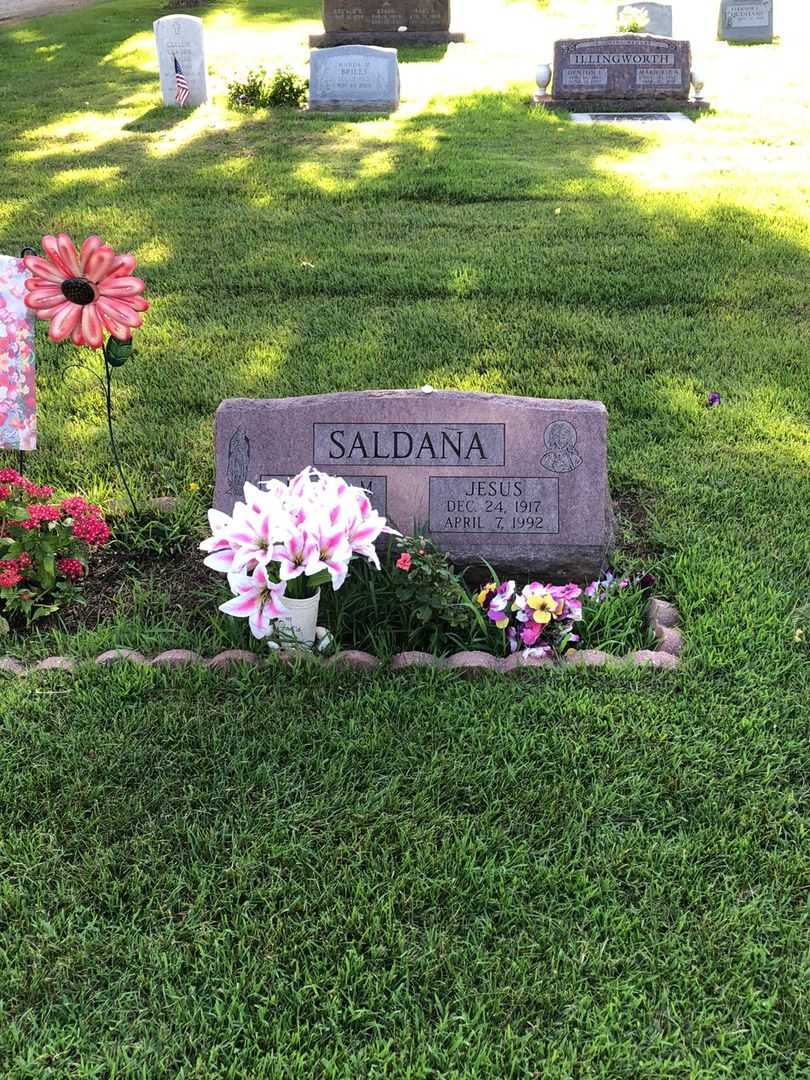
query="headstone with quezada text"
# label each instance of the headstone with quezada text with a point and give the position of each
(519, 482)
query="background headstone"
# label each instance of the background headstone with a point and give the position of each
(18, 414)
(636, 68)
(660, 16)
(182, 37)
(746, 20)
(354, 78)
(381, 22)
(520, 482)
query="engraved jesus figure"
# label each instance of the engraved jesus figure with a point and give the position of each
(560, 439)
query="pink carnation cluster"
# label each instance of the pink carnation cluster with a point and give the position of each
(45, 545)
(84, 519)
(306, 532)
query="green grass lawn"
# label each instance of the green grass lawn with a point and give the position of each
(589, 874)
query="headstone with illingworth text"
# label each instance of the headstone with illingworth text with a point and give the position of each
(746, 20)
(354, 78)
(637, 69)
(180, 41)
(520, 482)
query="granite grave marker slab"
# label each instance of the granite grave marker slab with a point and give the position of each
(354, 78)
(180, 40)
(659, 15)
(520, 482)
(637, 68)
(746, 20)
(385, 22)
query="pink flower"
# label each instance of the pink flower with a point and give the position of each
(257, 599)
(9, 574)
(404, 562)
(71, 568)
(9, 476)
(530, 633)
(331, 552)
(84, 293)
(74, 506)
(39, 512)
(293, 555)
(90, 529)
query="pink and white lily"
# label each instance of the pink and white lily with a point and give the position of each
(331, 552)
(257, 599)
(293, 555)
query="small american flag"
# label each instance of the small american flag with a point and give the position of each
(181, 90)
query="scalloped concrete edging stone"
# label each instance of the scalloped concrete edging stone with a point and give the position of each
(662, 618)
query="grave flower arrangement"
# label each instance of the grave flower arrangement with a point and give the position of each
(539, 620)
(283, 543)
(45, 546)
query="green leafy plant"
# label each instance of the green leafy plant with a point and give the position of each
(417, 601)
(283, 89)
(158, 531)
(45, 547)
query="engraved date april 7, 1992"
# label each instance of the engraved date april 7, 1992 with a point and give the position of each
(528, 505)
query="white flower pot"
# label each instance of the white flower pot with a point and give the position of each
(298, 627)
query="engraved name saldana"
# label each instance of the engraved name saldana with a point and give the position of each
(457, 445)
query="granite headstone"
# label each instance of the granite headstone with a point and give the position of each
(746, 20)
(637, 68)
(354, 78)
(520, 482)
(659, 16)
(385, 22)
(180, 40)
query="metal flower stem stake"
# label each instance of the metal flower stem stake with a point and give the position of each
(116, 353)
(82, 294)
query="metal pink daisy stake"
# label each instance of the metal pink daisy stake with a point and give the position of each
(83, 294)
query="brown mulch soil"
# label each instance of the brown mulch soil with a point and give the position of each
(181, 578)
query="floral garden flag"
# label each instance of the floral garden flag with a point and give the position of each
(18, 416)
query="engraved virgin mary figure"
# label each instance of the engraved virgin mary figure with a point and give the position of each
(560, 439)
(238, 461)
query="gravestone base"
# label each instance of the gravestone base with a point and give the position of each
(617, 105)
(386, 38)
(380, 108)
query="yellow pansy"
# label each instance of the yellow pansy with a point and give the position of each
(544, 606)
(487, 590)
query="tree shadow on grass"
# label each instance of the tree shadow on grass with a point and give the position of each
(159, 118)
(476, 244)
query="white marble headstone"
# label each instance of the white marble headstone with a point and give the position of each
(181, 37)
(746, 20)
(354, 78)
(660, 16)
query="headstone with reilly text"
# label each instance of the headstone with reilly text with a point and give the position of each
(385, 22)
(519, 482)
(746, 20)
(354, 78)
(180, 41)
(637, 69)
(659, 17)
